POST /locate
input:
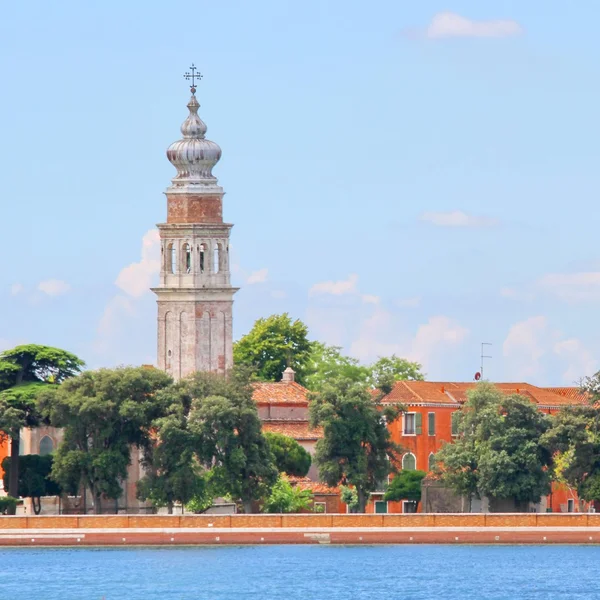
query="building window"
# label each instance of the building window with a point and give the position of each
(431, 462)
(187, 259)
(409, 462)
(431, 423)
(455, 420)
(409, 506)
(320, 507)
(381, 507)
(46, 445)
(570, 505)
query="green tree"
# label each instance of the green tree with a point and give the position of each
(34, 478)
(290, 457)
(574, 442)
(172, 472)
(287, 498)
(24, 371)
(386, 370)
(327, 363)
(272, 345)
(406, 485)
(102, 414)
(357, 448)
(229, 441)
(499, 453)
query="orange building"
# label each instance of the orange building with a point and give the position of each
(427, 424)
(4, 450)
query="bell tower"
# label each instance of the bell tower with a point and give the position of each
(194, 296)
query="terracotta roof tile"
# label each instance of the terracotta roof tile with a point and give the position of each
(299, 430)
(281, 392)
(444, 392)
(571, 393)
(316, 487)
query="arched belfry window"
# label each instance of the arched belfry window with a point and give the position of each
(409, 462)
(202, 257)
(171, 266)
(186, 257)
(217, 254)
(46, 445)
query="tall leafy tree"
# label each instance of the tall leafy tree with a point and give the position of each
(24, 371)
(327, 363)
(290, 457)
(357, 448)
(272, 345)
(386, 370)
(499, 453)
(574, 441)
(102, 414)
(173, 473)
(229, 440)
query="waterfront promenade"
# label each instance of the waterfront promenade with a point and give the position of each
(175, 530)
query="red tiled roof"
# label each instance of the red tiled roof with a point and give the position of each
(428, 392)
(572, 393)
(299, 430)
(281, 392)
(316, 487)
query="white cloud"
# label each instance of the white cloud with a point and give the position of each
(54, 287)
(533, 350)
(457, 218)
(382, 335)
(16, 288)
(110, 324)
(335, 288)
(572, 287)
(449, 25)
(259, 276)
(370, 299)
(136, 279)
(578, 360)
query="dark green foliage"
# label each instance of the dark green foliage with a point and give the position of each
(34, 477)
(357, 447)
(173, 472)
(406, 485)
(272, 345)
(499, 453)
(8, 505)
(290, 457)
(24, 371)
(102, 414)
(224, 420)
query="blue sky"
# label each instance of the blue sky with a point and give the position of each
(408, 177)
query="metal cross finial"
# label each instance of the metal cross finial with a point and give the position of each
(193, 76)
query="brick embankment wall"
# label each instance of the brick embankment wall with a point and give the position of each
(298, 529)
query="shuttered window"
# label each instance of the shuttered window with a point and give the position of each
(431, 423)
(409, 423)
(455, 418)
(409, 462)
(418, 423)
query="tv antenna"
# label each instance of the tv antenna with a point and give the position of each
(483, 356)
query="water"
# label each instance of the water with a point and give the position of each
(302, 573)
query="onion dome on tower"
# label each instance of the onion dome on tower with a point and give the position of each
(194, 156)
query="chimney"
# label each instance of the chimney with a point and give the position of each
(289, 375)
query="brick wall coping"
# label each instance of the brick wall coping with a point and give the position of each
(312, 521)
